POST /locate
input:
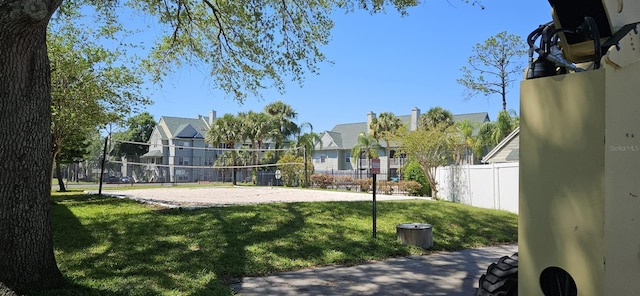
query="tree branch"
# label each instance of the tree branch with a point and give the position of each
(221, 31)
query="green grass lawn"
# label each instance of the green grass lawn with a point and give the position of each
(108, 246)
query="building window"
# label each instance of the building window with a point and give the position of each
(183, 161)
(323, 159)
(181, 144)
(347, 157)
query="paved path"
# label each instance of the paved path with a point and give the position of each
(446, 273)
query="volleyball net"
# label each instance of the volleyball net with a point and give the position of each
(185, 161)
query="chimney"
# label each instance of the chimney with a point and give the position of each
(370, 117)
(415, 116)
(212, 117)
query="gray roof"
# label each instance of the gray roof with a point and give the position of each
(345, 135)
(152, 153)
(179, 127)
(336, 137)
(478, 117)
(188, 131)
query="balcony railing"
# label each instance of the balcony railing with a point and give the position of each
(397, 162)
(393, 162)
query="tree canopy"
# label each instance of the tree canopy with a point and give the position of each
(226, 130)
(431, 148)
(385, 127)
(435, 117)
(139, 129)
(366, 146)
(493, 66)
(88, 89)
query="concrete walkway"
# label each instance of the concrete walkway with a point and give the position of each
(445, 273)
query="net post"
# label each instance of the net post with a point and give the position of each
(104, 158)
(306, 174)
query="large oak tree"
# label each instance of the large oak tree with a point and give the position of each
(88, 89)
(249, 45)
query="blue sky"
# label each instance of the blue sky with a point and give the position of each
(382, 63)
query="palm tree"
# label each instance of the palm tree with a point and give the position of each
(485, 135)
(491, 133)
(504, 125)
(385, 127)
(260, 126)
(434, 117)
(249, 123)
(226, 130)
(366, 146)
(223, 160)
(283, 115)
(470, 141)
(245, 157)
(247, 126)
(309, 140)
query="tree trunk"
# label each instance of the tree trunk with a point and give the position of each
(388, 152)
(431, 178)
(60, 181)
(27, 261)
(504, 98)
(233, 170)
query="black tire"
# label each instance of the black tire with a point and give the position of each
(501, 278)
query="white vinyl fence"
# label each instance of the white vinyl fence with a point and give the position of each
(492, 186)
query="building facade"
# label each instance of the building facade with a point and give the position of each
(333, 154)
(178, 151)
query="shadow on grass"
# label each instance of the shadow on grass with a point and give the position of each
(69, 234)
(80, 290)
(107, 245)
(455, 226)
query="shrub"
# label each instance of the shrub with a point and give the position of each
(345, 181)
(364, 184)
(291, 167)
(411, 186)
(385, 187)
(414, 172)
(321, 180)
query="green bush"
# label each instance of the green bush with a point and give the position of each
(291, 168)
(414, 172)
